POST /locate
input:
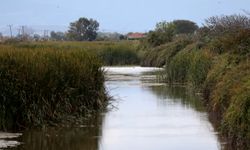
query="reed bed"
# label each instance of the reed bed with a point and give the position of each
(44, 85)
(109, 52)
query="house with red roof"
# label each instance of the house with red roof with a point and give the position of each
(135, 36)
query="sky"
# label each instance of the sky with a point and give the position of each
(113, 15)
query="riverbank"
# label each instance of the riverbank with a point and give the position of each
(45, 86)
(217, 64)
(168, 118)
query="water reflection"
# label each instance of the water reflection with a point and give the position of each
(154, 116)
(78, 138)
(150, 116)
(178, 94)
(9, 139)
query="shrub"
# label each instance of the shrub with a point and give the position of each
(237, 43)
(219, 25)
(161, 55)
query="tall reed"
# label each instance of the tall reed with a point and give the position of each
(40, 86)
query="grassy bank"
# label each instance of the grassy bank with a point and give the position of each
(160, 55)
(42, 85)
(214, 61)
(110, 53)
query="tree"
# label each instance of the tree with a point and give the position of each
(109, 36)
(227, 33)
(164, 26)
(36, 37)
(83, 30)
(163, 33)
(58, 36)
(184, 26)
(122, 37)
(222, 24)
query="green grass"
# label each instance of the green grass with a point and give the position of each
(230, 99)
(110, 53)
(42, 85)
(119, 56)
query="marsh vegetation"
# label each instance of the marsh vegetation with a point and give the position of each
(213, 60)
(44, 83)
(43, 86)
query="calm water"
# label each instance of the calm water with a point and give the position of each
(147, 116)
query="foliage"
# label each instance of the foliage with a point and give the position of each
(184, 26)
(109, 36)
(229, 97)
(178, 68)
(42, 83)
(58, 36)
(161, 55)
(163, 33)
(218, 25)
(215, 61)
(189, 65)
(165, 26)
(119, 52)
(119, 56)
(83, 30)
(43, 86)
(201, 62)
(238, 42)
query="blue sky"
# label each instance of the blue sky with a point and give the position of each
(113, 15)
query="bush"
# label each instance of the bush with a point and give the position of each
(237, 43)
(219, 25)
(161, 55)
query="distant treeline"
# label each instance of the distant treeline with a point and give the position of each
(215, 60)
(83, 29)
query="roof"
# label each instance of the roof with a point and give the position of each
(136, 35)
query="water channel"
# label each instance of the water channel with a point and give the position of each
(146, 115)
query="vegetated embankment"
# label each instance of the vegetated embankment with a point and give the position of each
(46, 86)
(214, 61)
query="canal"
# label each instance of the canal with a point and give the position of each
(144, 115)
